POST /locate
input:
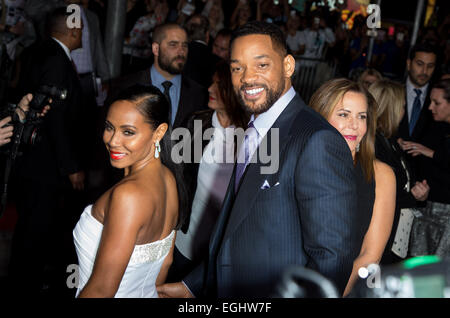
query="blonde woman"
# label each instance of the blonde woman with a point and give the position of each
(390, 97)
(351, 110)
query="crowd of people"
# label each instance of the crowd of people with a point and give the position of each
(362, 168)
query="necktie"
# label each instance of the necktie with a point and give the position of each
(250, 144)
(415, 111)
(166, 92)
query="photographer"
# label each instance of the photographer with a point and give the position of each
(6, 127)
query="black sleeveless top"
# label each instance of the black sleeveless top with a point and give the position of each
(366, 197)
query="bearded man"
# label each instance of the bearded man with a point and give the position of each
(170, 50)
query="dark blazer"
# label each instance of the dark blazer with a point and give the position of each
(307, 220)
(193, 96)
(60, 151)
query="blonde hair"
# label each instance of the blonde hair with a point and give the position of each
(390, 97)
(324, 101)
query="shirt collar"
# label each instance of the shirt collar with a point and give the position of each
(266, 120)
(64, 47)
(158, 79)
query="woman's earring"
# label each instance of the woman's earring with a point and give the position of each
(357, 148)
(157, 149)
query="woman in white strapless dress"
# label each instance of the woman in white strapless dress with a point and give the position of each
(125, 240)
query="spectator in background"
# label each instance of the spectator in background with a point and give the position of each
(359, 44)
(317, 38)
(368, 77)
(431, 230)
(221, 44)
(390, 97)
(295, 38)
(267, 10)
(241, 15)
(214, 12)
(201, 61)
(16, 30)
(137, 48)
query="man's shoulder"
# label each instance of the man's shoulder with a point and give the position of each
(307, 119)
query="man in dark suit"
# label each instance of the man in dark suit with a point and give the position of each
(53, 167)
(170, 48)
(299, 208)
(201, 62)
(417, 124)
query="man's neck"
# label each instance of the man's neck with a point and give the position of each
(168, 76)
(63, 40)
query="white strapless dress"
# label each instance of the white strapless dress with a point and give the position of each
(143, 268)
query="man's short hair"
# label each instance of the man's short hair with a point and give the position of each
(422, 47)
(197, 27)
(224, 33)
(263, 28)
(56, 21)
(159, 34)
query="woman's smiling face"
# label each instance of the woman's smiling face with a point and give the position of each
(349, 117)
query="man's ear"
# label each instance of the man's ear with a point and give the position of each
(289, 65)
(408, 64)
(155, 49)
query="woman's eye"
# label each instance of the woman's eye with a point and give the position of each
(363, 116)
(342, 115)
(128, 133)
(108, 127)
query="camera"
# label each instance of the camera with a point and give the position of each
(26, 131)
(29, 134)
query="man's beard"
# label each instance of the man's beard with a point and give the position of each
(170, 67)
(416, 80)
(271, 97)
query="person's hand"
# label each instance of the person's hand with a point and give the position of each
(5, 131)
(24, 106)
(421, 190)
(173, 290)
(18, 28)
(415, 149)
(77, 180)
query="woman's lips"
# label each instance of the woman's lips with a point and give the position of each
(350, 137)
(116, 155)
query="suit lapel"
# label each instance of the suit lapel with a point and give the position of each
(253, 179)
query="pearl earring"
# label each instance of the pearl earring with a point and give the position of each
(357, 148)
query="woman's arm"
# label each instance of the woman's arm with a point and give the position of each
(381, 223)
(123, 220)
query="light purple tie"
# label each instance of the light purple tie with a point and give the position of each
(250, 135)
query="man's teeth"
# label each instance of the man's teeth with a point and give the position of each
(254, 91)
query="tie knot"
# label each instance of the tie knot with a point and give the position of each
(250, 124)
(418, 92)
(166, 85)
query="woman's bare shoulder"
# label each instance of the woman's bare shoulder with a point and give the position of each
(129, 197)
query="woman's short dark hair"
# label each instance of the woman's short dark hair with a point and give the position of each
(444, 85)
(153, 105)
(264, 28)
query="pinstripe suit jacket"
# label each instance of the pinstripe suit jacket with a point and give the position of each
(307, 220)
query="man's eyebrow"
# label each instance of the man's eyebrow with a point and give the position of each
(261, 56)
